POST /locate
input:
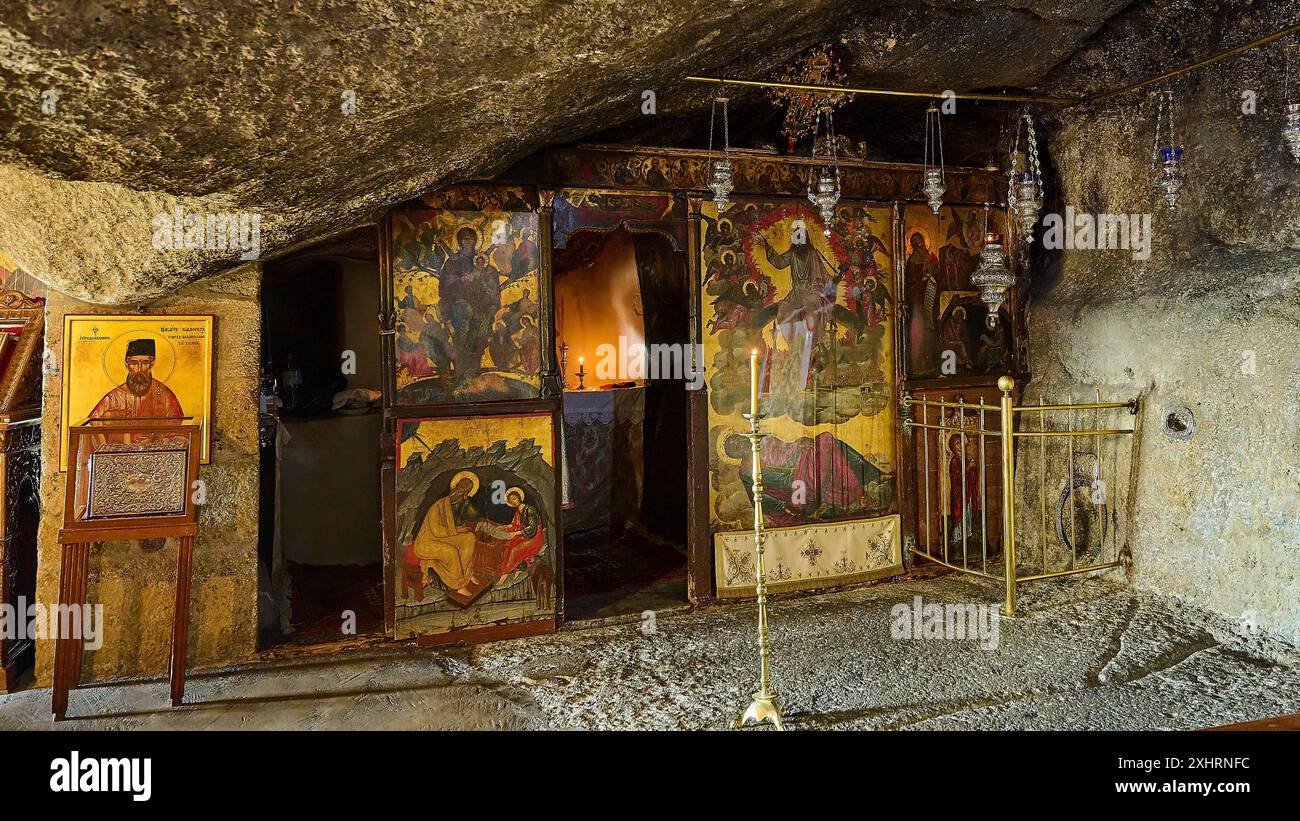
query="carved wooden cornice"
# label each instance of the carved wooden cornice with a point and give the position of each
(18, 301)
(756, 173)
(21, 380)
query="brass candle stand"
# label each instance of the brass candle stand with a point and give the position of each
(764, 706)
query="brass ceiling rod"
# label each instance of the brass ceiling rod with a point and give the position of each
(1213, 58)
(1015, 98)
(1009, 98)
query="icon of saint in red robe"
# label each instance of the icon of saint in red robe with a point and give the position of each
(140, 396)
(963, 492)
(528, 539)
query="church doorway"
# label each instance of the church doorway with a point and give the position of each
(320, 539)
(625, 429)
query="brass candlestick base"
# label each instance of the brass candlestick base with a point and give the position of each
(763, 707)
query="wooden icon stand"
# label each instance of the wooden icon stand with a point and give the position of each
(127, 480)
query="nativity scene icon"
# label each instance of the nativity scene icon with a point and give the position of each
(470, 552)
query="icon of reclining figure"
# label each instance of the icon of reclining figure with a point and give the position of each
(454, 537)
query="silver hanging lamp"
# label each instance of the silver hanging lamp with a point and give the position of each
(1291, 130)
(1291, 111)
(721, 179)
(1168, 178)
(824, 182)
(993, 278)
(1025, 185)
(933, 184)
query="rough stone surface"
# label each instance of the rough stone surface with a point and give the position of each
(1211, 321)
(135, 581)
(1087, 654)
(216, 107)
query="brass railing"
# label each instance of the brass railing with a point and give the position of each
(954, 469)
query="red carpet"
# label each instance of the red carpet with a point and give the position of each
(319, 594)
(597, 561)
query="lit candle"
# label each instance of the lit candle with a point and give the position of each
(753, 381)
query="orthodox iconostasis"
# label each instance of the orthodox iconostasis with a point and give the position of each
(470, 270)
(818, 307)
(515, 484)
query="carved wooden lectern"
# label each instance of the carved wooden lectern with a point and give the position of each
(127, 480)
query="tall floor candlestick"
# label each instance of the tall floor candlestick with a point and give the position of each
(753, 381)
(763, 707)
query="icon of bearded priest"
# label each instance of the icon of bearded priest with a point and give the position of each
(140, 396)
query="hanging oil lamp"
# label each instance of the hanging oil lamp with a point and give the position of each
(721, 181)
(993, 278)
(1167, 152)
(1169, 181)
(932, 185)
(1025, 185)
(824, 183)
(1291, 130)
(1291, 112)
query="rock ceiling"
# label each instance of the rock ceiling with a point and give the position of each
(237, 105)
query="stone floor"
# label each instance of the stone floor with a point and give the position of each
(658, 595)
(1088, 654)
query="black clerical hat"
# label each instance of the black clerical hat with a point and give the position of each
(141, 347)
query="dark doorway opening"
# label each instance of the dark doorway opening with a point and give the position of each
(320, 539)
(625, 430)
